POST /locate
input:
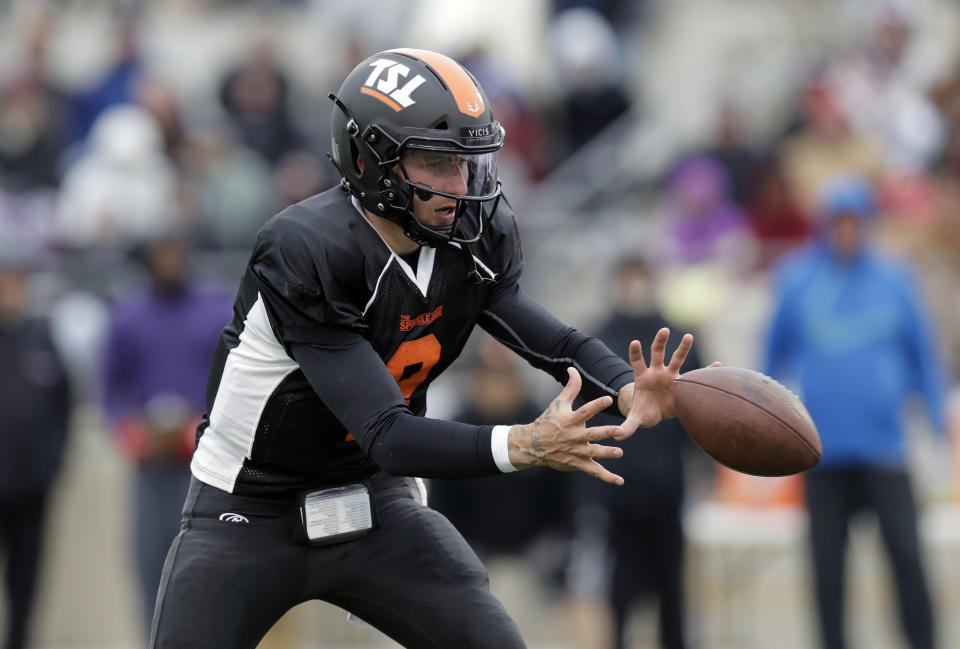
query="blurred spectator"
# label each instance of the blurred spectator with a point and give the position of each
(704, 243)
(28, 221)
(360, 35)
(621, 14)
(256, 96)
(529, 504)
(730, 148)
(523, 158)
(33, 119)
(701, 221)
(300, 175)
(848, 327)
(155, 369)
(123, 188)
(592, 83)
(775, 216)
(946, 97)
(825, 148)
(229, 189)
(159, 98)
(118, 83)
(35, 403)
(643, 528)
(882, 94)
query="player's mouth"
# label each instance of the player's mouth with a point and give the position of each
(446, 214)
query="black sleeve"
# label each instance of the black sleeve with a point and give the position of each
(546, 343)
(353, 382)
(504, 250)
(299, 282)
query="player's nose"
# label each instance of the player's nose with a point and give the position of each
(455, 183)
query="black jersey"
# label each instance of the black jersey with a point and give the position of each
(321, 377)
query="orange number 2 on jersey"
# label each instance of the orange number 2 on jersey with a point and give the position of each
(412, 361)
(410, 365)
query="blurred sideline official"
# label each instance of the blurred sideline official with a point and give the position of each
(34, 418)
(642, 531)
(849, 327)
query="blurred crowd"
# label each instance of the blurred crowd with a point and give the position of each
(127, 200)
(739, 203)
(130, 155)
(115, 163)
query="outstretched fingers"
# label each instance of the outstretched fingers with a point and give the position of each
(636, 358)
(599, 472)
(588, 410)
(680, 353)
(596, 452)
(658, 348)
(603, 452)
(597, 433)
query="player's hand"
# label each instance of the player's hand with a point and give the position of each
(648, 400)
(560, 439)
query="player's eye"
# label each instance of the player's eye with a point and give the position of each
(445, 165)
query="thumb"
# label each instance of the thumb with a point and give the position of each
(572, 388)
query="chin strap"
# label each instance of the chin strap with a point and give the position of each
(474, 275)
(416, 237)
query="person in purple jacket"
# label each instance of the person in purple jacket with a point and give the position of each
(849, 327)
(155, 364)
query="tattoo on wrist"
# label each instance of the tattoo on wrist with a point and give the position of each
(535, 440)
(523, 444)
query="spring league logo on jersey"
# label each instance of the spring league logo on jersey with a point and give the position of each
(407, 323)
(384, 84)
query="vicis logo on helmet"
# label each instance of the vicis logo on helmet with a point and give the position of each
(385, 75)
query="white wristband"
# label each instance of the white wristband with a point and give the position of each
(501, 449)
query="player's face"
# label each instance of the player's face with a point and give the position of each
(846, 235)
(445, 172)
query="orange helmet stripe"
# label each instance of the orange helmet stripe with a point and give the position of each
(376, 94)
(464, 90)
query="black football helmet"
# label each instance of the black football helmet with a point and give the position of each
(408, 108)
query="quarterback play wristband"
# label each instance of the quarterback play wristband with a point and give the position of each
(501, 450)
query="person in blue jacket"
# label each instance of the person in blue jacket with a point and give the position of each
(849, 329)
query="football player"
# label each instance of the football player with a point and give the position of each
(353, 301)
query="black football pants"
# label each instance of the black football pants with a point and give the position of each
(833, 496)
(21, 540)
(648, 554)
(413, 576)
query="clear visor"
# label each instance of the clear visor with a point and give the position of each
(448, 173)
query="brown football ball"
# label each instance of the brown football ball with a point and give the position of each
(747, 421)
